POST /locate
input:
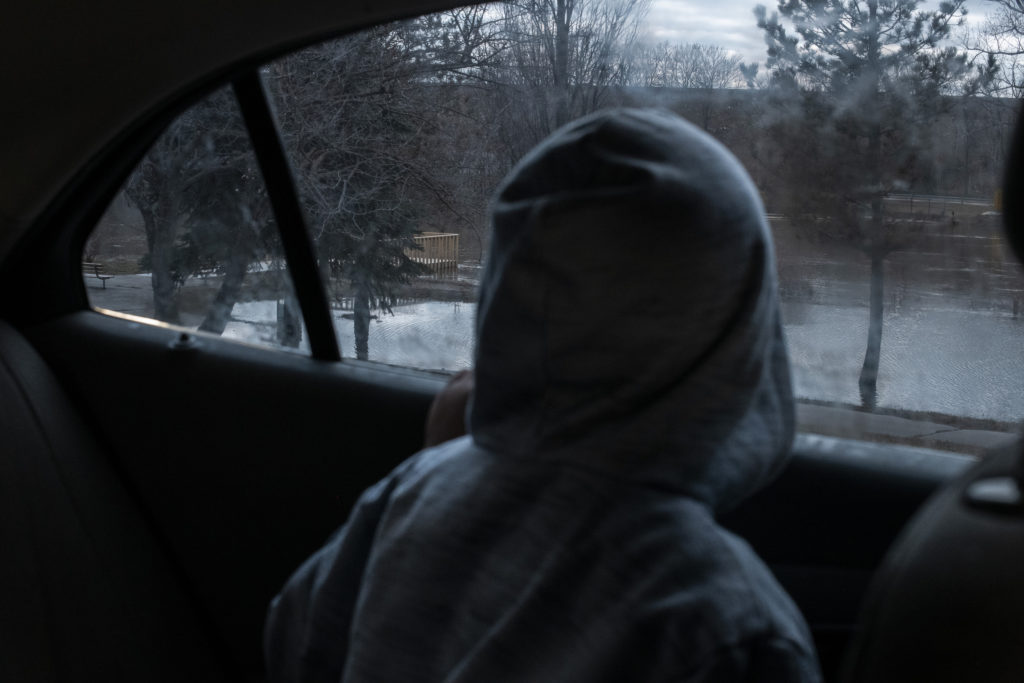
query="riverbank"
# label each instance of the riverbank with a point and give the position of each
(941, 432)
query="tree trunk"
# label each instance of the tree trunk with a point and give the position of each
(289, 323)
(563, 16)
(872, 355)
(220, 310)
(869, 371)
(160, 240)
(361, 321)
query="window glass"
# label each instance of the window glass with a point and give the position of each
(876, 140)
(385, 142)
(190, 239)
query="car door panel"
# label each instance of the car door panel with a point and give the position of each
(246, 459)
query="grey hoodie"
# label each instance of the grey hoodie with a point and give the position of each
(631, 381)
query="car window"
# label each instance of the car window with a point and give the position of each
(190, 239)
(878, 156)
(394, 184)
(875, 136)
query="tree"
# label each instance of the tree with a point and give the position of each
(684, 65)
(462, 51)
(357, 116)
(556, 61)
(1002, 38)
(203, 207)
(386, 129)
(692, 74)
(859, 83)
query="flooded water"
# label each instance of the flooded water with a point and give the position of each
(958, 362)
(946, 360)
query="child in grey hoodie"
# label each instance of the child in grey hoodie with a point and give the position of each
(631, 382)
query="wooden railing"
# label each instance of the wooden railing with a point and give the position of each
(440, 252)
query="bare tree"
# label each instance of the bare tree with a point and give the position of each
(1002, 38)
(353, 115)
(693, 74)
(386, 132)
(686, 65)
(557, 62)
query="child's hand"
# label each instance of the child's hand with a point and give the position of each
(447, 417)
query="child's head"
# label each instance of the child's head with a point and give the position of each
(629, 301)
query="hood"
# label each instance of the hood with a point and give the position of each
(628, 318)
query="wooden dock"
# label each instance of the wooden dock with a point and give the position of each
(439, 252)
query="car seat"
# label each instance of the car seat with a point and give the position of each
(86, 591)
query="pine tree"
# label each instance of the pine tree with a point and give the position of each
(862, 84)
(203, 207)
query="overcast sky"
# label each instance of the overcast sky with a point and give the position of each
(731, 23)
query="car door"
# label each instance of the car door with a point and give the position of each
(241, 426)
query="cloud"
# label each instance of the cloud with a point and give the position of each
(727, 23)
(730, 23)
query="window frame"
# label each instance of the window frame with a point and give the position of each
(98, 186)
(299, 253)
(58, 238)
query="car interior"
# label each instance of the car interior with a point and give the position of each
(158, 483)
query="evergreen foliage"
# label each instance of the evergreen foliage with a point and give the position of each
(858, 88)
